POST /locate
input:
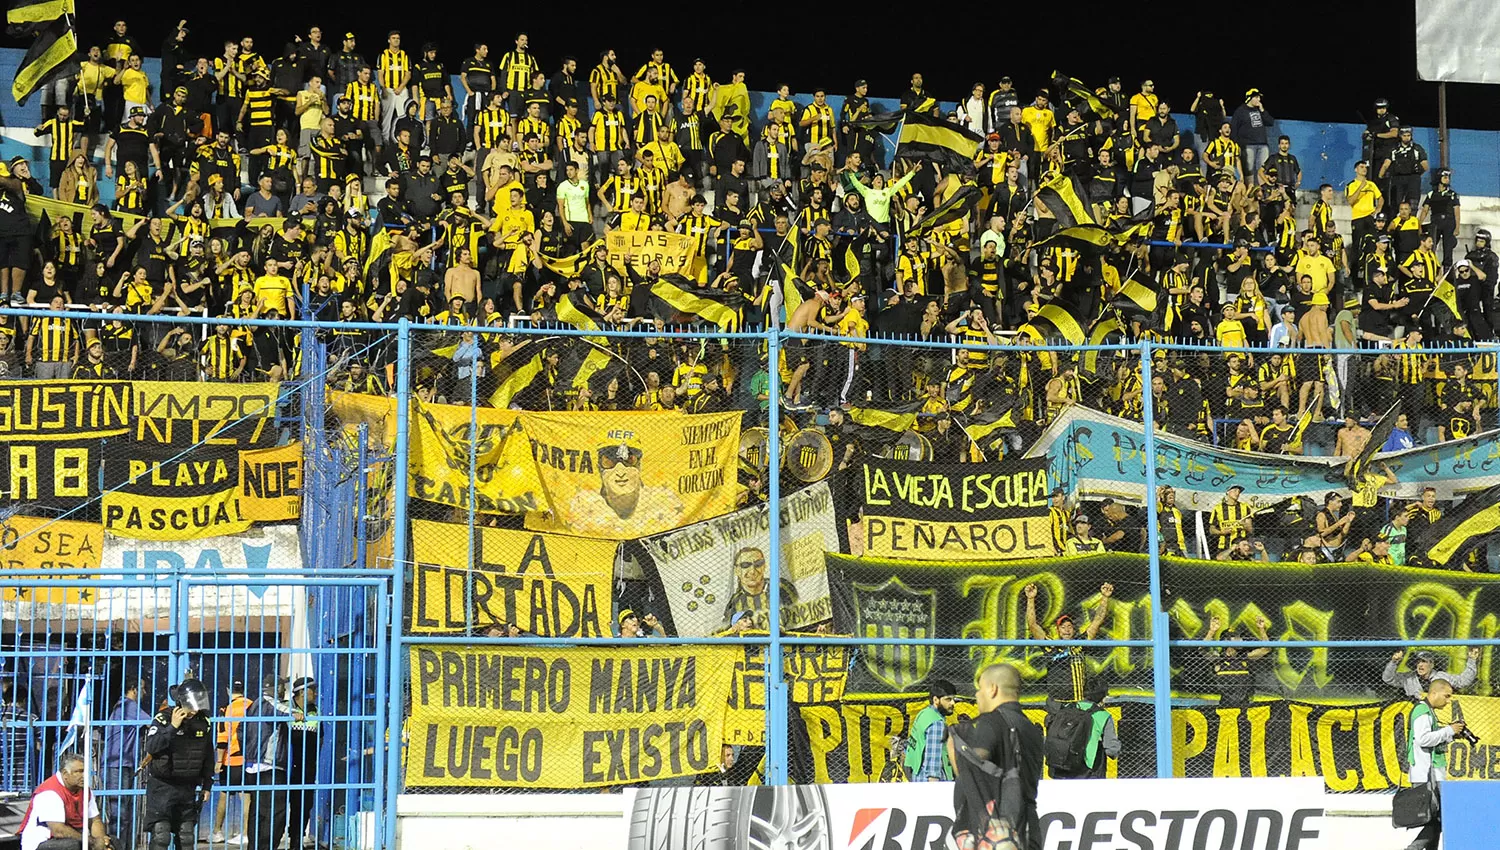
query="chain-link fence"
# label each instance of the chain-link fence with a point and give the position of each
(592, 574)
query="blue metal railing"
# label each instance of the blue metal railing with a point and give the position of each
(342, 584)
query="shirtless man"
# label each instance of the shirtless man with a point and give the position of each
(1351, 439)
(462, 279)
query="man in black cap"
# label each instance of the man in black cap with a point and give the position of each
(181, 746)
(999, 103)
(1404, 167)
(169, 128)
(1441, 212)
(1250, 128)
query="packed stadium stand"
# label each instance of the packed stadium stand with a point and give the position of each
(496, 434)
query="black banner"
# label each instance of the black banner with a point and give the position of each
(986, 601)
(1353, 746)
(64, 410)
(164, 471)
(957, 511)
(53, 473)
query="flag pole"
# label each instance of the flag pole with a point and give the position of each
(895, 152)
(88, 755)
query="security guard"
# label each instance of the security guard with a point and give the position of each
(1380, 140)
(1441, 212)
(1405, 167)
(181, 770)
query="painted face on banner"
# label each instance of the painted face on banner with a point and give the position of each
(750, 570)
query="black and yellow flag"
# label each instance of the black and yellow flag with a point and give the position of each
(54, 44)
(927, 137)
(958, 205)
(1080, 92)
(679, 297)
(877, 427)
(1063, 196)
(1100, 334)
(1355, 470)
(985, 428)
(1471, 523)
(521, 368)
(1299, 431)
(584, 318)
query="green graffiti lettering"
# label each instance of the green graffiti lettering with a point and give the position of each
(1304, 622)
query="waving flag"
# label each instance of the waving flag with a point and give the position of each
(83, 712)
(54, 43)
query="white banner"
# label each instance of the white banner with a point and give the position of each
(1120, 814)
(1458, 41)
(713, 569)
(236, 564)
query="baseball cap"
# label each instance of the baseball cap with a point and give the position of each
(626, 614)
(137, 110)
(1381, 103)
(303, 683)
(858, 83)
(738, 615)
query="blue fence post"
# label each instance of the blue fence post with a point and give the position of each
(1161, 653)
(776, 697)
(395, 707)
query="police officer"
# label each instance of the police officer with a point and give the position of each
(1380, 140)
(1404, 167)
(1486, 264)
(1440, 211)
(181, 747)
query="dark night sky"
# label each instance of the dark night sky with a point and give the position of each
(1314, 60)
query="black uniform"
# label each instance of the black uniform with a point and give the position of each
(1377, 149)
(1405, 174)
(182, 763)
(1443, 203)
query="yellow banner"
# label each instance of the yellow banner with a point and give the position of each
(504, 480)
(36, 543)
(627, 475)
(675, 251)
(376, 411)
(185, 518)
(1468, 761)
(271, 483)
(548, 585)
(583, 717)
(813, 674)
(37, 204)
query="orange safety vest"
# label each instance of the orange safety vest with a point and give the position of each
(229, 733)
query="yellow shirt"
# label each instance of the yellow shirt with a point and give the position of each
(1362, 195)
(1145, 106)
(668, 156)
(1041, 122)
(312, 119)
(519, 222)
(502, 198)
(93, 78)
(273, 290)
(854, 325)
(1231, 333)
(640, 90)
(1320, 268)
(136, 85)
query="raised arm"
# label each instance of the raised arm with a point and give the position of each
(1106, 591)
(1032, 625)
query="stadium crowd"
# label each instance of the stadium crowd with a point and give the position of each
(318, 183)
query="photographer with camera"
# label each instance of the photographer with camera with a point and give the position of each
(1427, 753)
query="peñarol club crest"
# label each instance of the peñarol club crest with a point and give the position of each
(893, 610)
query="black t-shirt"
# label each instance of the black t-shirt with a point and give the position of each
(989, 733)
(132, 144)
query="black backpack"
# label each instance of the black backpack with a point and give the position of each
(1068, 731)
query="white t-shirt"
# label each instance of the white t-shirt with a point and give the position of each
(47, 807)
